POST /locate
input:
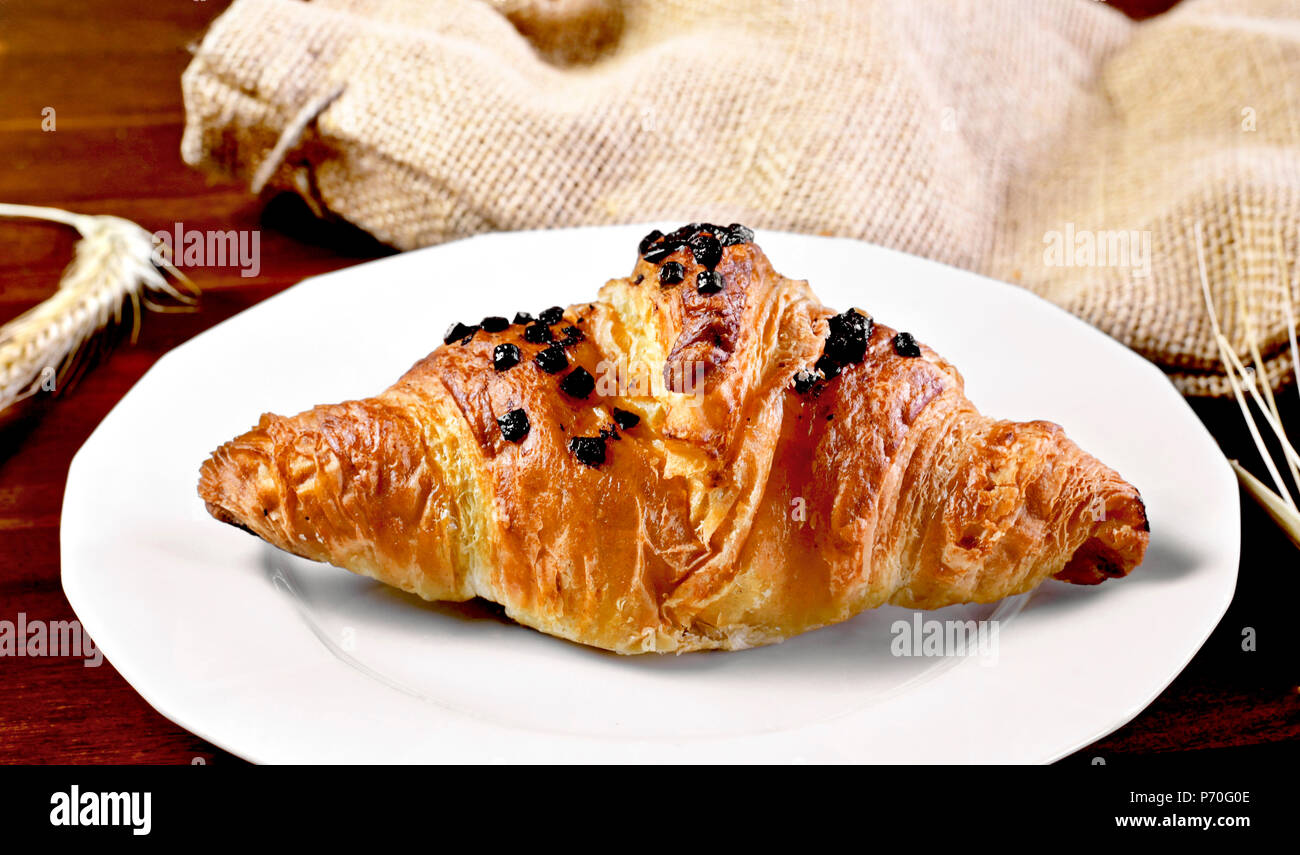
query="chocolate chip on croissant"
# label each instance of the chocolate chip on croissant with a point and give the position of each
(782, 467)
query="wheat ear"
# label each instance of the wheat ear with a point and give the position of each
(115, 261)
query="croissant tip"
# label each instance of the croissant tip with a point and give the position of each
(1114, 548)
(213, 496)
(220, 514)
(1142, 506)
(226, 483)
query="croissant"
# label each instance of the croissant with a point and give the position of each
(703, 457)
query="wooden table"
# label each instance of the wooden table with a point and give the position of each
(111, 72)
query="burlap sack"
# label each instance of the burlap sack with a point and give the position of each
(1052, 143)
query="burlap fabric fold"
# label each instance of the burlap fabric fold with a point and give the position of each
(1053, 143)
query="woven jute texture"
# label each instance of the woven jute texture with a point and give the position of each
(1053, 144)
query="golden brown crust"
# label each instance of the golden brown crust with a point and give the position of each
(737, 512)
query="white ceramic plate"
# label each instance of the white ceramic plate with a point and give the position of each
(280, 660)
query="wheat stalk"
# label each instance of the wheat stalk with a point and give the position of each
(116, 261)
(1280, 506)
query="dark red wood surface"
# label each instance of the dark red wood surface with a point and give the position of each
(111, 70)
